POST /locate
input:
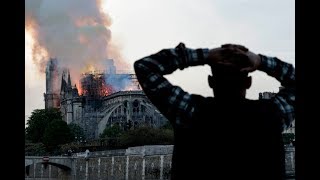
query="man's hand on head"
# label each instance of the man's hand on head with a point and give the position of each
(254, 62)
(234, 55)
(216, 55)
(235, 46)
(254, 59)
(227, 55)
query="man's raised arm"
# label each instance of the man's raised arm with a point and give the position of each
(283, 72)
(173, 102)
(285, 98)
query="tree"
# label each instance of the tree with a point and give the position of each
(34, 149)
(38, 122)
(112, 132)
(146, 136)
(76, 131)
(64, 148)
(111, 135)
(57, 133)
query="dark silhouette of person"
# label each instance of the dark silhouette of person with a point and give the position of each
(226, 136)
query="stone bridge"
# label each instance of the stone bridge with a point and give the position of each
(144, 162)
(64, 163)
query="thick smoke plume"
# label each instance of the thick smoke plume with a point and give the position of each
(76, 32)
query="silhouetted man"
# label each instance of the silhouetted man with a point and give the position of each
(226, 136)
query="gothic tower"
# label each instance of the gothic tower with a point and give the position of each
(51, 97)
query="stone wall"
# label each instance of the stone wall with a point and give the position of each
(144, 162)
(290, 161)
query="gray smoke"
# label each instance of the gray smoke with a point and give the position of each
(73, 31)
(119, 82)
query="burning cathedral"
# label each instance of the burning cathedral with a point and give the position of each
(102, 99)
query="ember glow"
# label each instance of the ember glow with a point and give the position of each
(94, 85)
(89, 68)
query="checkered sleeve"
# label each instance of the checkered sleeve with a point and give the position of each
(172, 101)
(285, 74)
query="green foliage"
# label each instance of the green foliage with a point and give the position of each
(35, 149)
(287, 137)
(76, 131)
(57, 133)
(167, 126)
(146, 136)
(73, 146)
(38, 122)
(112, 132)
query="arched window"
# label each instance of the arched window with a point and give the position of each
(135, 103)
(143, 108)
(135, 106)
(126, 104)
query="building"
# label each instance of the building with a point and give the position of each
(269, 95)
(103, 99)
(51, 97)
(266, 95)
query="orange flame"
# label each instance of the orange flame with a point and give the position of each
(80, 91)
(89, 68)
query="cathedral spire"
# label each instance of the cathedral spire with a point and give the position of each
(69, 79)
(63, 84)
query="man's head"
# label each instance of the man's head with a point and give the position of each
(227, 81)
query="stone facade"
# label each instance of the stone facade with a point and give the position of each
(101, 104)
(51, 97)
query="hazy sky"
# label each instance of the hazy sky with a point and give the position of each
(143, 27)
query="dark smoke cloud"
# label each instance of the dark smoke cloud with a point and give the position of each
(73, 31)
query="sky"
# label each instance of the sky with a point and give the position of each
(143, 27)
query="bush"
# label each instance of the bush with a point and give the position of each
(112, 132)
(35, 149)
(56, 134)
(73, 146)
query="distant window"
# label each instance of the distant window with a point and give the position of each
(125, 104)
(135, 103)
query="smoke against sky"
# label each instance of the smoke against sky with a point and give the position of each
(75, 32)
(119, 81)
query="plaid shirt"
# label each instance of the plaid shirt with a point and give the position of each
(285, 98)
(179, 106)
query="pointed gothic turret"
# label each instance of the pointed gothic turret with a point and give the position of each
(69, 79)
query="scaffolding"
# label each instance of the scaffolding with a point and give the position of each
(94, 87)
(134, 83)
